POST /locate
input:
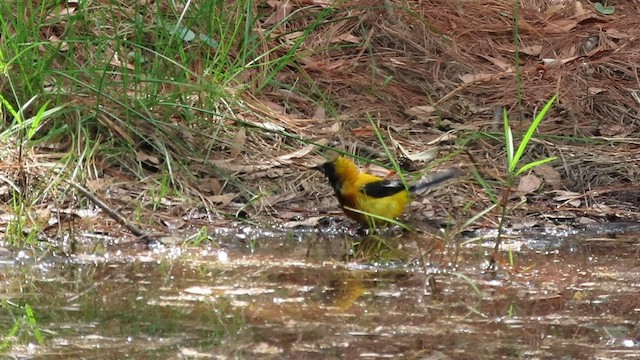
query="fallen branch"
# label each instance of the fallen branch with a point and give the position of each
(113, 214)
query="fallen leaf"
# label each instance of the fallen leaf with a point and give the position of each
(579, 9)
(274, 106)
(320, 113)
(96, 185)
(467, 78)
(555, 9)
(533, 50)
(282, 9)
(397, 62)
(558, 62)
(595, 90)
(563, 195)
(335, 128)
(222, 200)
(148, 158)
(115, 61)
(602, 208)
(238, 143)
(304, 151)
(617, 34)
(583, 220)
(503, 65)
(575, 203)
(425, 155)
(615, 130)
(442, 138)
(63, 13)
(470, 78)
(529, 184)
(560, 26)
(174, 224)
(294, 35)
(549, 174)
(312, 221)
(348, 38)
(362, 131)
(209, 185)
(62, 45)
(311, 63)
(42, 216)
(568, 197)
(423, 112)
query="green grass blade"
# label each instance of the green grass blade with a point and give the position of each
(478, 216)
(36, 120)
(532, 129)
(533, 164)
(12, 111)
(486, 187)
(392, 159)
(31, 318)
(508, 139)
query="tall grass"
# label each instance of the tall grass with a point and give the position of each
(149, 90)
(513, 161)
(513, 154)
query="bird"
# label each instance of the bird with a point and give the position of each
(371, 200)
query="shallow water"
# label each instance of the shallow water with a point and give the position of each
(273, 295)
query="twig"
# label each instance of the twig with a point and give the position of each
(112, 213)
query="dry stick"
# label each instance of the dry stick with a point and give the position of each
(112, 213)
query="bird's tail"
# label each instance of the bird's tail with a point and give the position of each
(434, 179)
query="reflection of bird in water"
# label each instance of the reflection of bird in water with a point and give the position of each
(344, 292)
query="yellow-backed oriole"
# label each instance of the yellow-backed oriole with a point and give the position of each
(361, 195)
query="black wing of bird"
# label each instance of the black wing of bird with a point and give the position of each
(383, 188)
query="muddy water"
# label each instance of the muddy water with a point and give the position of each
(299, 296)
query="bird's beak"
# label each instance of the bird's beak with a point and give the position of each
(320, 168)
